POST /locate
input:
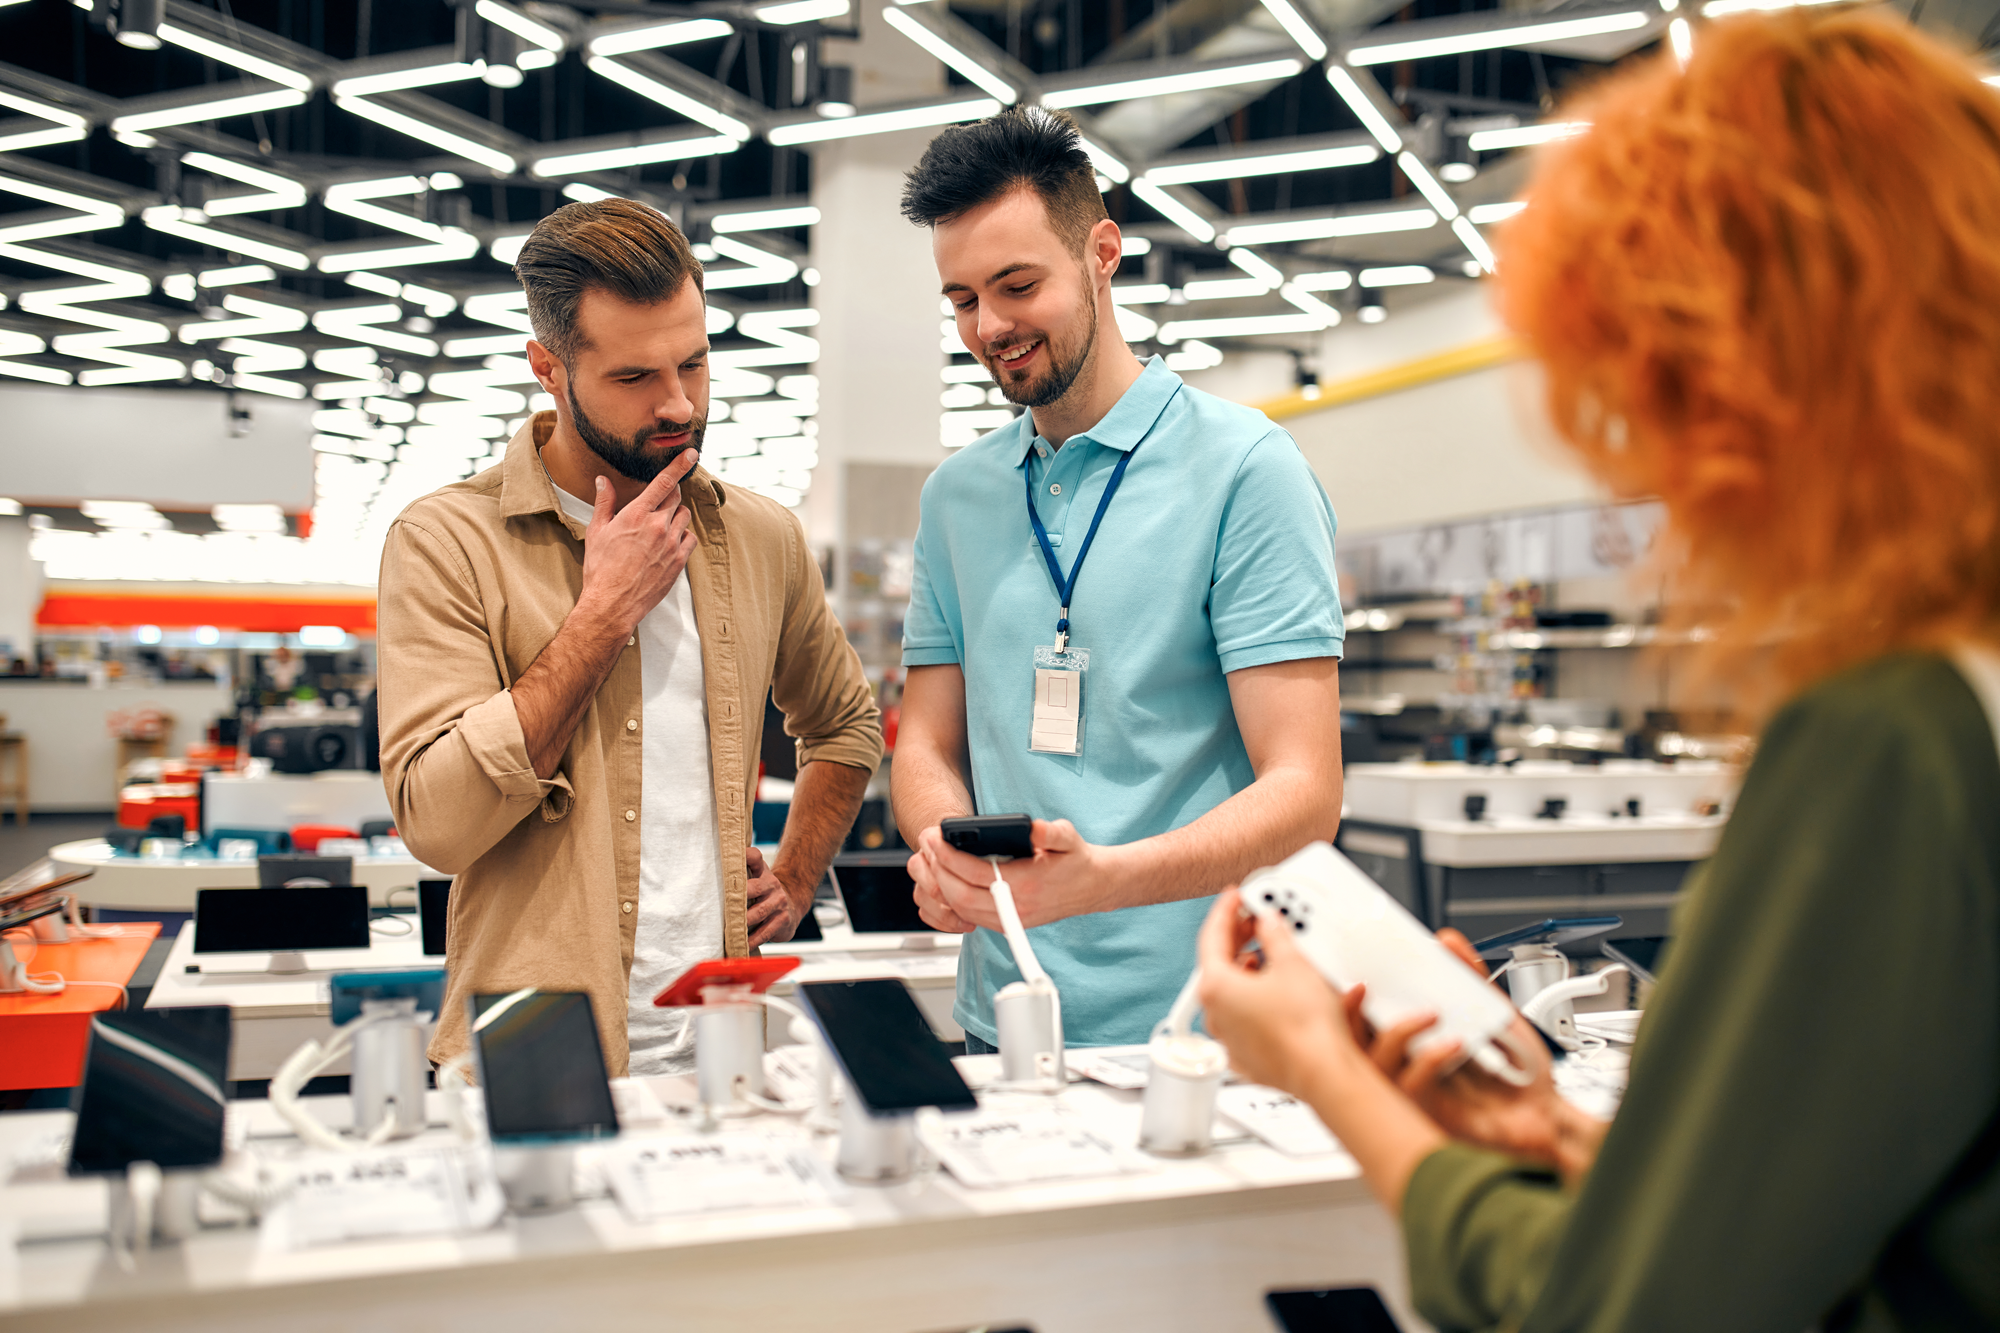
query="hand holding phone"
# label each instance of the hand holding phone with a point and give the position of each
(1009, 837)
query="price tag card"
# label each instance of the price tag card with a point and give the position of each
(1282, 1121)
(990, 1151)
(1126, 1067)
(381, 1193)
(671, 1177)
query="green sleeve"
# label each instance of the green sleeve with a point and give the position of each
(1818, 1056)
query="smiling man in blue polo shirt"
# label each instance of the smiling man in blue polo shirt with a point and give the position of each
(1177, 540)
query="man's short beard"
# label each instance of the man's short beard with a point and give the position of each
(1062, 374)
(634, 459)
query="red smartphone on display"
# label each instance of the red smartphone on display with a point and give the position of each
(756, 973)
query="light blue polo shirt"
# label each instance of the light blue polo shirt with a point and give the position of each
(1216, 554)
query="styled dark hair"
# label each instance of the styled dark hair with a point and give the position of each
(622, 247)
(1021, 148)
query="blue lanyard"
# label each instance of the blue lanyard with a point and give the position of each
(1064, 587)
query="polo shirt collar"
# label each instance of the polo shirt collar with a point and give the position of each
(525, 487)
(1130, 419)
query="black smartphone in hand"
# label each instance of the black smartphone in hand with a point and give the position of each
(1004, 836)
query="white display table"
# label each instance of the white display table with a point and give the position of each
(147, 884)
(1193, 1244)
(272, 1015)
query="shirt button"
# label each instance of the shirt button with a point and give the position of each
(1055, 488)
(1042, 449)
(631, 724)
(632, 640)
(631, 815)
(625, 908)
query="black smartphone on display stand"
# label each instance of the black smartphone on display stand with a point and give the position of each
(541, 1067)
(1644, 954)
(1556, 930)
(1007, 836)
(892, 1060)
(1337, 1310)
(153, 1090)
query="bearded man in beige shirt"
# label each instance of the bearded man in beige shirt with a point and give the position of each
(575, 648)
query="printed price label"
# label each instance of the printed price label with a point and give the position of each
(990, 1151)
(676, 1177)
(399, 1192)
(1282, 1121)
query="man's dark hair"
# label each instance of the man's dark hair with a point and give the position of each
(1021, 148)
(625, 248)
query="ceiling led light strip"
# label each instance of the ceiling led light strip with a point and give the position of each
(65, 126)
(1173, 210)
(1160, 85)
(401, 80)
(279, 191)
(351, 199)
(765, 219)
(1296, 28)
(455, 245)
(254, 357)
(1474, 243)
(1364, 108)
(1310, 304)
(514, 21)
(775, 328)
(422, 132)
(673, 99)
(657, 35)
(638, 155)
(230, 55)
(14, 343)
(194, 114)
(186, 223)
(1524, 136)
(1527, 34)
(119, 331)
(1427, 185)
(763, 267)
(257, 317)
(357, 324)
(975, 73)
(800, 11)
(1247, 326)
(1318, 229)
(882, 122)
(1314, 159)
(1106, 162)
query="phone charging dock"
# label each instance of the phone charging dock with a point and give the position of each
(874, 1149)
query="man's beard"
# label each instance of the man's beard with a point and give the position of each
(1061, 373)
(634, 459)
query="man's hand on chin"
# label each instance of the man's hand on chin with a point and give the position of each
(774, 910)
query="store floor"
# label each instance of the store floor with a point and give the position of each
(21, 847)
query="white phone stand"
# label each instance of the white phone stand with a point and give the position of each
(389, 1067)
(1027, 1014)
(728, 1049)
(874, 1149)
(1184, 1072)
(536, 1177)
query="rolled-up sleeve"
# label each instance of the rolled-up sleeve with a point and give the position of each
(454, 761)
(817, 682)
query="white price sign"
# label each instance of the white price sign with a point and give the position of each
(397, 1192)
(1282, 1121)
(673, 1177)
(988, 1151)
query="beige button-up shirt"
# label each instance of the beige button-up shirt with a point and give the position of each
(476, 580)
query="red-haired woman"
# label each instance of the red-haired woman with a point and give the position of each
(1765, 288)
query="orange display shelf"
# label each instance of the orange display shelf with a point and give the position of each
(43, 1037)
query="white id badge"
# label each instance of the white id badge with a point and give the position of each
(1057, 724)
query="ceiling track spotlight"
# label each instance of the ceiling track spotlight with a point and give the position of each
(836, 92)
(1371, 310)
(135, 23)
(1460, 163)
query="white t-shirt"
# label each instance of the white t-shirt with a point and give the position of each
(680, 867)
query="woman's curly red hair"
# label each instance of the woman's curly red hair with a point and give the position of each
(1766, 289)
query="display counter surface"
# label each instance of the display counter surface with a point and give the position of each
(167, 884)
(1575, 839)
(273, 1014)
(1188, 1244)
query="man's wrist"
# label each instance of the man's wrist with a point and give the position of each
(599, 620)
